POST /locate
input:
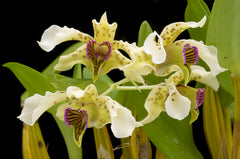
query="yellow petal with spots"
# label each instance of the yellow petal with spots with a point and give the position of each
(103, 31)
(172, 31)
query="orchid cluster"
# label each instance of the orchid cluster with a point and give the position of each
(176, 61)
(161, 54)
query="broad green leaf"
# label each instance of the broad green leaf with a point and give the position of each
(195, 11)
(144, 31)
(62, 82)
(32, 80)
(224, 33)
(35, 82)
(41, 85)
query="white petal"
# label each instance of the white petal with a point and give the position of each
(177, 106)
(201, 75)
(74, 92)
(155, 48)
(199, 24)
(123, 123)
(55, 35)
(154, 103)
(36, 105)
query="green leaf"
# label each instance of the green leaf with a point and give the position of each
(144, 31)
(62, 82)
(195, 11)
(32, 80)
(224, 33)
(35, 82)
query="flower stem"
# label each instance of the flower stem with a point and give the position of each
(114, 85)
(126, 88)
(135, 87)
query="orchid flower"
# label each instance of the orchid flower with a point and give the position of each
(183, 53)
(81, 109)
(176, 99)
(99, 54)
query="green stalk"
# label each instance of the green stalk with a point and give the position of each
(236, 128)
(126, 151)
(77, 73)
(140, 144)
(216, 124)
(33, 145)
(103, 143)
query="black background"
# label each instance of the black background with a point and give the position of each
(22, 24)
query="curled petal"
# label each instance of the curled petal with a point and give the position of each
(123, 123)
(153, 46)
(55, 35)
(75, 92)
(196, 97)
(36, 105)
(208, 54)
(198, 74)
(201, 75)
(155, 103)
(172, 31)
(177, 106)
